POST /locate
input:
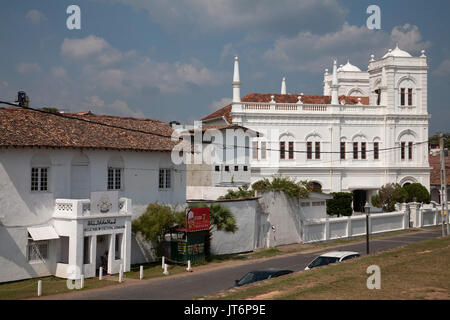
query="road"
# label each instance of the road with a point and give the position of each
(196, 284)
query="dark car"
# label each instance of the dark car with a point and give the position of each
(259, 275)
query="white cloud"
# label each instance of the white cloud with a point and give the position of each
(314, 52)
(118, 107)
(80, 48)
(24, 67)
(35, 16)
(59, 72)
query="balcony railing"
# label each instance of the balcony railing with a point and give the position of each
(82, 207)
(257, 107)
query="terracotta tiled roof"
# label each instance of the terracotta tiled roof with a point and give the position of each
(283, 98)
(28, 128)
(435, 174)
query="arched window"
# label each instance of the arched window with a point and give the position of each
(287, 146)
(359, 141)
(40, 171)
(406, 143)
(313, 141)
(406, 89)
(316, 186)
(115, 173)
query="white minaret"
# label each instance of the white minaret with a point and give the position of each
(334, 85)
(283, 86)
(236, 81)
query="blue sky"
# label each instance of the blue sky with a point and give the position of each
(173, 60)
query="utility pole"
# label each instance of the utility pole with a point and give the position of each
(444, 204)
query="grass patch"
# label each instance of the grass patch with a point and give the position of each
(416, 271)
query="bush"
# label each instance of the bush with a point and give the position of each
(242, 193)
(341, 204)
(388, 195)
(300, 189)
(418, 191)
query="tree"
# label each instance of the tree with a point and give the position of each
(300, 189)
(418, 191)
(156, 221)
(221, 219)
(341, 204)
(388, 195)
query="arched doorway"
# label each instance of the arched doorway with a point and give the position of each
(80, 177)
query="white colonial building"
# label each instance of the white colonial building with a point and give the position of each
(368, 128)
(69, 190)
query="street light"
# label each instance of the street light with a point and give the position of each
(367, 211)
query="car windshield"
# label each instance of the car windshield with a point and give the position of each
(322, 261)
(252, 277)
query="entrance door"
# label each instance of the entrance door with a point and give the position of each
(359, 200)
(102, 252)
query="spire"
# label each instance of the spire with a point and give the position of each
(236, 81)
(334, 85)
(283, 86)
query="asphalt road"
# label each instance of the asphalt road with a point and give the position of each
(195, 284)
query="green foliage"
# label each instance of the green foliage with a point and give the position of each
(388, 195)
(52, 110)
(300, 189)
(157, 220)
(434, 139)
(242, 193)
(341, 204)
(418, 191)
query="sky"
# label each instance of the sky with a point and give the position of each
(173, 60)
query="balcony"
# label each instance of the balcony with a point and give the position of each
(100, 203)
(293, 108)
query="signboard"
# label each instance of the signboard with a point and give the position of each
(197, 219)
(102, 224)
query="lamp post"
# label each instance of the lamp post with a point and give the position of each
(367, 211)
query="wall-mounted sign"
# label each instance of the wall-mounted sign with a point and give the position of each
(197, 219)
(103, 224)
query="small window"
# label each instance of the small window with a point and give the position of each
(37, 250)
(402, 150)
(309, 150)
(114, 178)
(363, 150)
(165, 178)
(236, 168)
(402, 96)
(39, 179)
(291, 150)
(245, 168)
(217, 168)
(255, 150)
(410, 148)
(227, 168)
(263, 150)
(378, 94)
(355, 150)
(282, 150)
(376, 150)
(342, 150)
(410, 96)
(317, 151)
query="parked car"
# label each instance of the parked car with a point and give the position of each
(259, 275)
(332, 257)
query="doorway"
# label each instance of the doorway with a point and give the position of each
(102, 252)
(359, 200)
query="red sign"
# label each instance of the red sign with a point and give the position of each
(197, 219)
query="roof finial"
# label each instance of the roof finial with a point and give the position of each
(236, 81)
(423, 53)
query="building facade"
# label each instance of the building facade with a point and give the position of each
(369, 127)
(69, 190)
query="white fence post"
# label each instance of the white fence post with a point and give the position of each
(100, 273)
(163, 262)
(165, 270)
(82, 281)
(39, 290)
(121, 273)
(327, 230)
(141, 272)
(189, 269)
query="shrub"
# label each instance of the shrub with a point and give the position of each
(341, 204)
(388, 195)
(242, 192)
(418, 191)
(300, 189)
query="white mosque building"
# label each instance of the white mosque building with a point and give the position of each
(368, 128)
